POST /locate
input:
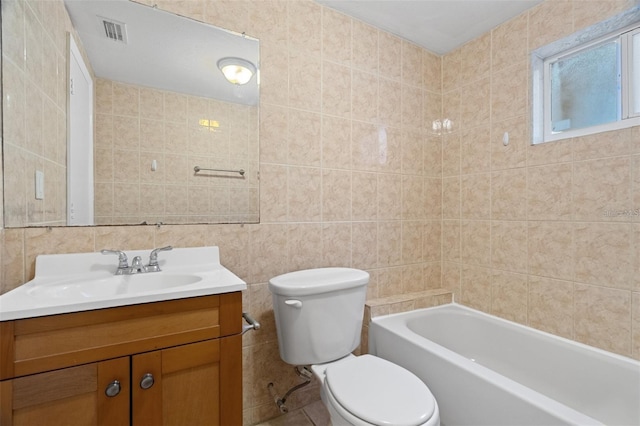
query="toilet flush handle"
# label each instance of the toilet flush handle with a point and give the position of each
(294, 303)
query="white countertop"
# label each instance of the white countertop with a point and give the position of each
(66, 283)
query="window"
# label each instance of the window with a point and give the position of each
(585, 88)
(588, 87)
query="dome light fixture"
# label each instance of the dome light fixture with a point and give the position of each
(237, 70)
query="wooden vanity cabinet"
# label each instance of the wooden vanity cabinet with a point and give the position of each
(177, 362)
(72, 396)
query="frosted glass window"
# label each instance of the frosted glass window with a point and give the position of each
(588, 82)
(585, 88)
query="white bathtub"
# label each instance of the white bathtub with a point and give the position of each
(484, 370)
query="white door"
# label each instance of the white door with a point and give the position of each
(80, 141)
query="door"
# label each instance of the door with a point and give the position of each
(71, 396)
(80, 193)
(195, 384)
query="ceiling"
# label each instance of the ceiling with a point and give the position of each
(162, 50)
(437, 25)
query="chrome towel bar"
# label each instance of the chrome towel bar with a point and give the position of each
(198, 168)
(252, 324)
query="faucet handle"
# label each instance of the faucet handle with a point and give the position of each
(122, 257)
(153, 257)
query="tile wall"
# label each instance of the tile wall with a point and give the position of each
(137, 125)
(525, 231)
(350, 175)
(34, 107)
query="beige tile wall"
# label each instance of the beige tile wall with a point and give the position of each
(525, 234)
(1, 188)
(330, 195)
(350, 174)
(137, 125)
(34, 79)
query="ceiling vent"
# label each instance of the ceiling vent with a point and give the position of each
(114, 30)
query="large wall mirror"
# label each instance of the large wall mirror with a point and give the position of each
(118, 113)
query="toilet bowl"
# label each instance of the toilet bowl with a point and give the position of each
(367, 390)
(319, 319)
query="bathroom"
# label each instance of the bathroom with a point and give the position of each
(508, 230)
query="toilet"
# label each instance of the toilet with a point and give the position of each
(319, 316)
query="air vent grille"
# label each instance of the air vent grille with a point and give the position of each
(114, 30)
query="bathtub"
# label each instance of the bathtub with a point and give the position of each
(484, 370)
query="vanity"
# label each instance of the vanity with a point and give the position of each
(124, 355)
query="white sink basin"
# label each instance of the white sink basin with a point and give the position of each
(82, 288)
(83, 281)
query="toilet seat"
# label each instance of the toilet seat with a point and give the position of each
(379, 392)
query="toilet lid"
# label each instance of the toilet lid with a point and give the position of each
(379, 392)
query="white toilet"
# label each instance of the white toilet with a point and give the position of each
(318, 317)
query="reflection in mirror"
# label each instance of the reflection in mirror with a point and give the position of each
(161, 107)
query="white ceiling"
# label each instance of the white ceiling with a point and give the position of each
(163, 50)
(437, 25)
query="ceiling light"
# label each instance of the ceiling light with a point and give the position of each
(236, 70)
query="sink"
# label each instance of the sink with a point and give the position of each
(75, 282)
(109, 286)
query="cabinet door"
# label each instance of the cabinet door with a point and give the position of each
(71, 396)
(195, 384)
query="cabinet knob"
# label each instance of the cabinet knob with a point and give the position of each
(147, 381)
(112, 389)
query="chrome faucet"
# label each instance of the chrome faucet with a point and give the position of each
(137, 267)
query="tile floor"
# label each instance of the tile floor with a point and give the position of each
(314, 414)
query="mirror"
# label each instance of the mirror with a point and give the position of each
(161, 109)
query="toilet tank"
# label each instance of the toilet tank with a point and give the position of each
(318, 313)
